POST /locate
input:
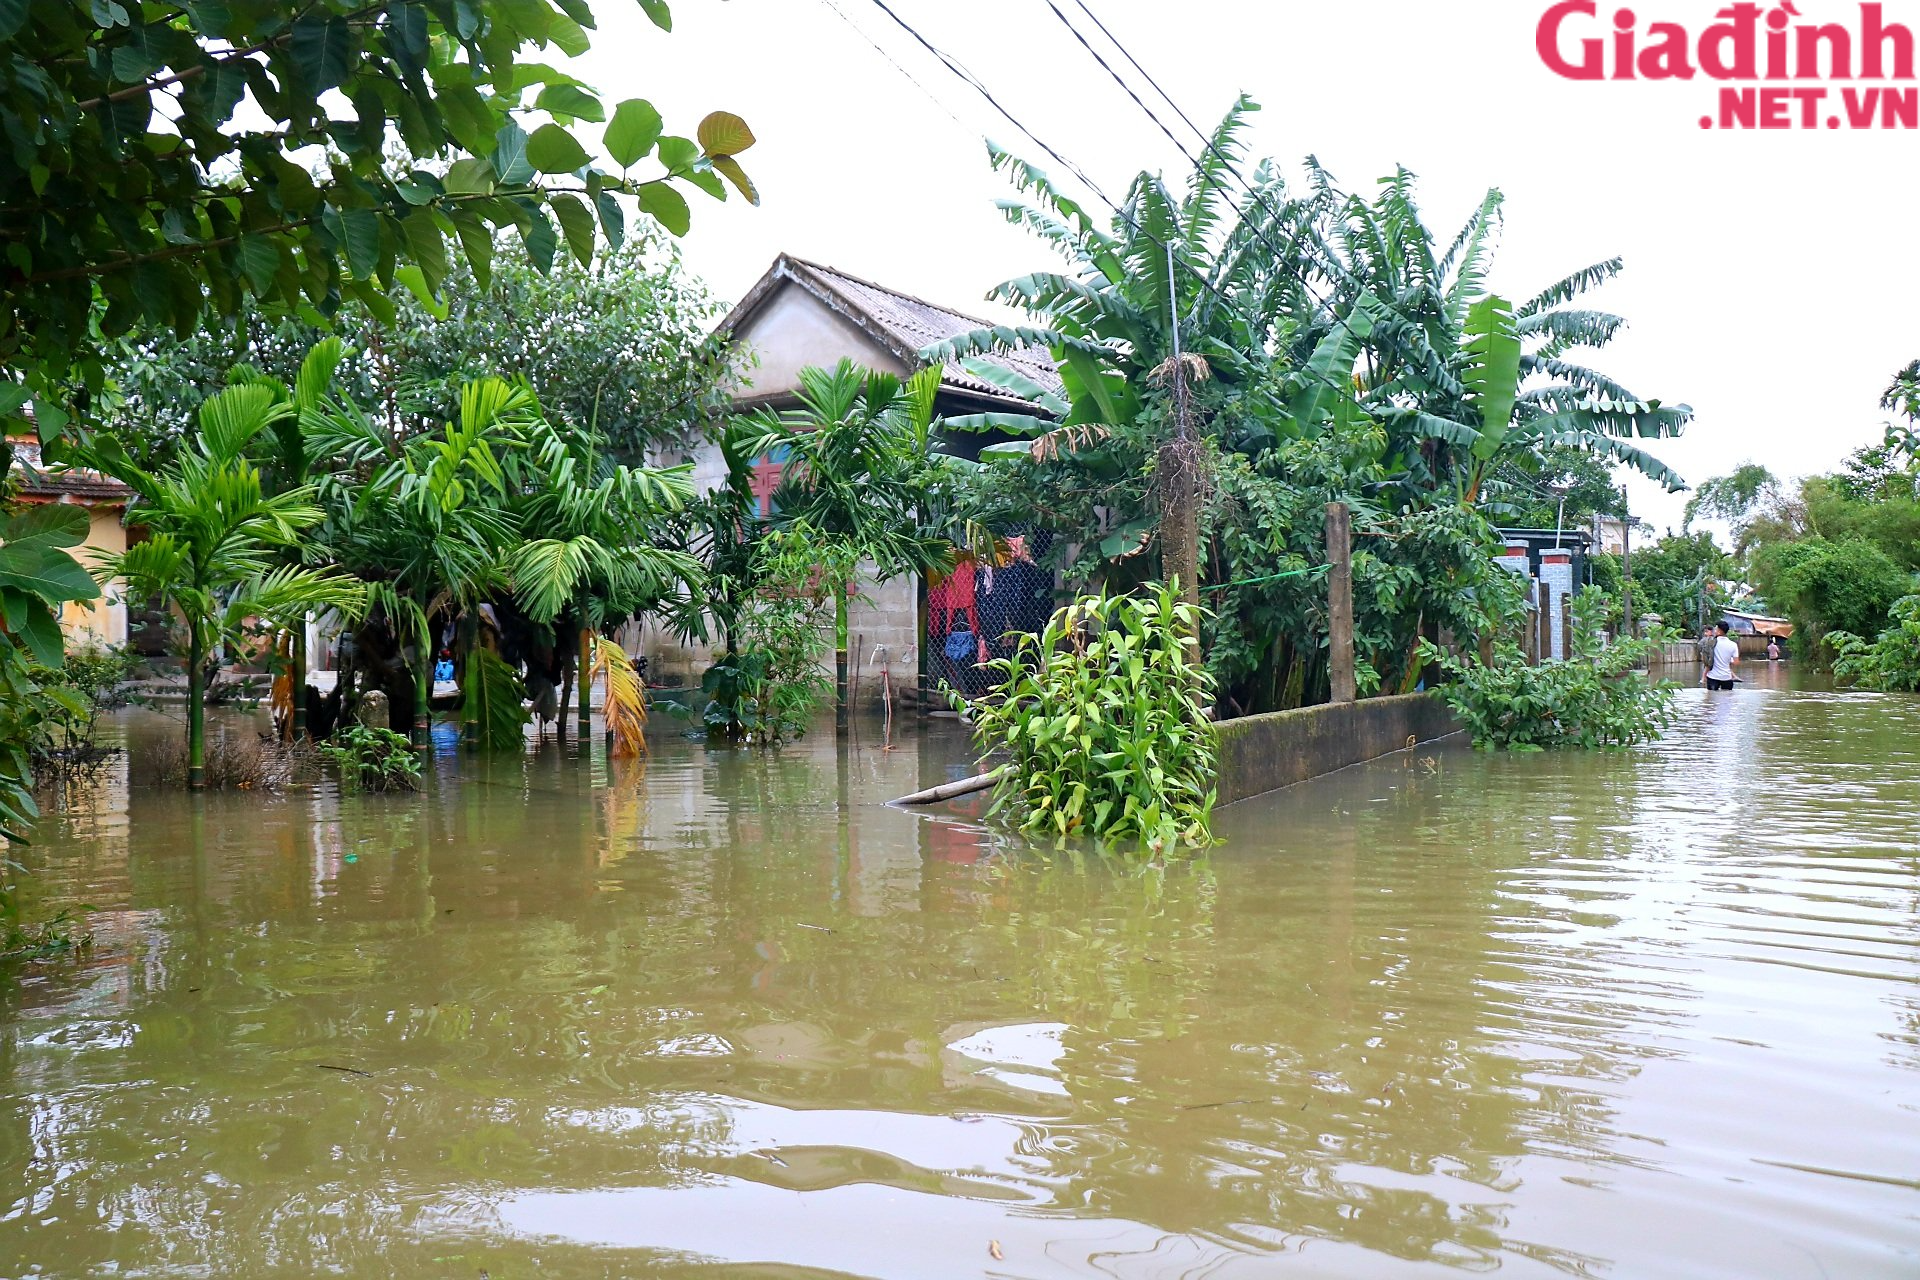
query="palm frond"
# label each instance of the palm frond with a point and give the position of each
(1561, 292)
(626, 699)
(495, 703)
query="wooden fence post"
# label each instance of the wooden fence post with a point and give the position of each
(1545, 642)
(1566, 625)
(1340, 602)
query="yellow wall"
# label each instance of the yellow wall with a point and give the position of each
(104, 621)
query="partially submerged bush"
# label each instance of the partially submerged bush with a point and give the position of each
(1889, 663)
(373, 759)
(239, 761)
(1595, 698)
(1104, 714)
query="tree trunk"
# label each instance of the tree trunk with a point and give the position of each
(1180, 519)
(422, 695)
(196, 709)
(297, 678)
(585, 663)
(840, 658)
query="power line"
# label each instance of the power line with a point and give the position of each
(877, 48)
(1283, 257)
(1120, 211)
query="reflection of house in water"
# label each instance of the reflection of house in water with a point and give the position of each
(804, 314)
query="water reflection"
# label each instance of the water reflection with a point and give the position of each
(1633, 1014)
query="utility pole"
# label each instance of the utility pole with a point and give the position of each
(1626, 567)
(1178, 469)
(1340, 602)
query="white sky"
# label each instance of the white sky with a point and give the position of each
(1770, 279)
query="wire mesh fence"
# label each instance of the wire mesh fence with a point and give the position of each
(979, 611)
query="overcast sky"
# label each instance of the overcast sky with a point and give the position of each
(1771, 276)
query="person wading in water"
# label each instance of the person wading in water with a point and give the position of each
(1726, 656)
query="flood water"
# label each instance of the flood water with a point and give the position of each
(1642, 1014)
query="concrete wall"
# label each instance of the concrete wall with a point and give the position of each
(1263, 753)
(103, 621)
(793, 330)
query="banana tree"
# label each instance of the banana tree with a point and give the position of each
(594, 561)
(216, 540)
(859, 470)
(424, 517)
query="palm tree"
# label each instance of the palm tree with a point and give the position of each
(1176, 291)
(216, 539)
(859, 471)
(423, 519)
(1462, 379)
(593, 562)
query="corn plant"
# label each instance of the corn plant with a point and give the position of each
(1104, 715)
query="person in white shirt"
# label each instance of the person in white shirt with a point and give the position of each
(1726, 656)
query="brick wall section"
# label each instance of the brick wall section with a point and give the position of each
(1263, 753)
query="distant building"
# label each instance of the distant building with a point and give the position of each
(103, 621)
(1609, 535)
(803, 314)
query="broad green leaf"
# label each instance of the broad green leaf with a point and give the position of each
(427, 248)
(51, 524)
(679, 155)
(571, 101)
(42, 634)
(323, 50)
(416, 282)
(658, 11)
(468, 117)
(13, 395)
(566, 33)
(469, 176)
(724, 134)
(46, 572)
(476, 239)
(260, 259)
(634, 129)
(730, 167)
(552, 149)
(576, 222)
(13, 16)
(666, 206)
(1492, 374)
(360, 230)
(613, 219)
(509, 157)
(540, 241)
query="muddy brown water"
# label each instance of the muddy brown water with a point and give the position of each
(1643, 1014)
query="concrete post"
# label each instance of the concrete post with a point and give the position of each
(1340, 602)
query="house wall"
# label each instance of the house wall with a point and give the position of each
(793, 330)
(103, 621)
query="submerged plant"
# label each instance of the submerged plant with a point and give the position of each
(1104, 715)
(1595, 698)
(497, 713)
(374, 759)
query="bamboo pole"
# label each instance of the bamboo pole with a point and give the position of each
(949, 790)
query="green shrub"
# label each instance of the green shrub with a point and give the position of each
(1846, 585)
(372, 759)
(772, 683)
(1104, 715)
(1593, 699)
(1890, 663)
